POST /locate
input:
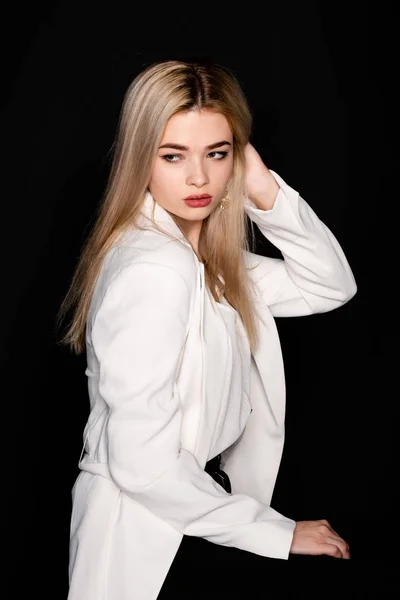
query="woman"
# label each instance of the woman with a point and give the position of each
(185, 373)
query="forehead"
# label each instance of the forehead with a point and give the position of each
(197, 127)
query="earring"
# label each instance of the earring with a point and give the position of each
(225, 201)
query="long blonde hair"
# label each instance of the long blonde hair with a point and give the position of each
(160, 91)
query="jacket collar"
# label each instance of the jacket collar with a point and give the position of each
(152, 211)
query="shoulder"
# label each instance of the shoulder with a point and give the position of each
(140, 256)
(150, 247)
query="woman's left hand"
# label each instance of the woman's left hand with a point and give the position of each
(261, 187)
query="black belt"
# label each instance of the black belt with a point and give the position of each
(213, 469)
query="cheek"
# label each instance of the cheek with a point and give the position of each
(226, 171)
(163, 177)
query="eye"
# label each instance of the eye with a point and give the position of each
(174, 158)
(170, 157)
(221, 154)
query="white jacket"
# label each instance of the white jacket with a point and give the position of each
(154, 410)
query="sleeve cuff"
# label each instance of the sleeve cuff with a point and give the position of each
(284, 215)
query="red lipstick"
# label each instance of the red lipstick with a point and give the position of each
(198, 200)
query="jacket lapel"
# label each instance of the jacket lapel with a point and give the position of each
(269, 362)
(154, 216)
(204, 372)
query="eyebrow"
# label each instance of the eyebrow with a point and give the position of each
(210, 147)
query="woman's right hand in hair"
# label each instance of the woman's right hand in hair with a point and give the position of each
(318, 537)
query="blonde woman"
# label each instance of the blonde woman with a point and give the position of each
(176, 314)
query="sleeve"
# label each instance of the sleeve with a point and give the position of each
(314, 275)
(137, 334)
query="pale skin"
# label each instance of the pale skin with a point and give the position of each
(197, 169)
(204, 164)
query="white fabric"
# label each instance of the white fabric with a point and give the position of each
(235, 406)
(158, 359)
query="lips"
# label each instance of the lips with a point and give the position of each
(198, 197)
(198, 202)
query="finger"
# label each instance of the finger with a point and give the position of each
(336, 536)
(341, 544)
(330, 550)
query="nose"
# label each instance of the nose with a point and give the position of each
(197, 174)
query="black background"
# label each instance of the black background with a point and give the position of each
(318, 77)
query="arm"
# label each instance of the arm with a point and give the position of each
(137, 334)
(314, 275)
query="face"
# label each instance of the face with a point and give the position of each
(195, 157)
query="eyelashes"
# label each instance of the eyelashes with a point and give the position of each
(170, 157)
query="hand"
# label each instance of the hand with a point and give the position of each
(318, 537)
(261, 187)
